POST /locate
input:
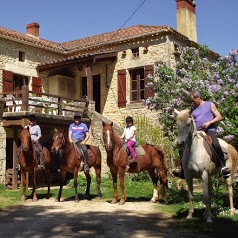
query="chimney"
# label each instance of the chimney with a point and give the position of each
(186, 19)
(32, 29)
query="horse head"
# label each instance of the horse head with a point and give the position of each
(108, 135)
(185, 125)
(58, 140)
(25, 138)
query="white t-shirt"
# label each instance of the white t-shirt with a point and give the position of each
(128, 131)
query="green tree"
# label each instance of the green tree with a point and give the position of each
(217, 81)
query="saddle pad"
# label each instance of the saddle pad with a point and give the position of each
(138, 149)
(210, 152)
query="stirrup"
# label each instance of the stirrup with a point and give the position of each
(41, 166)
(132, 160)
(86, 168)
(225, 172)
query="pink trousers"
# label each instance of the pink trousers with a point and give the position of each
(130, 143)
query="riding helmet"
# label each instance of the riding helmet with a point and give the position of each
(77, 116)
(129, 119)
(32, 117)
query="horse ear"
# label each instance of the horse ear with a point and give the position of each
(111, 123)
(56, 130)
(103, 123)
(176, 111)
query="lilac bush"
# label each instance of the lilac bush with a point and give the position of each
(217, 81)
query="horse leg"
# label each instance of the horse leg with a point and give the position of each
(76, 185)
(114, 180)
(207, 194)
(98, 179)
(23, 174)
(190, 197)
(122, 186)
(88, 177)
(62, 179)
(154, 180)
(47, 175)
(230, 191)
(163, 194)
(34, 196)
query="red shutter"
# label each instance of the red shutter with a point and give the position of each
(149, 69)
(36, 84)
(121, 85)
(7, 81)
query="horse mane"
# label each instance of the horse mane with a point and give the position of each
(183, 115)
(117, 137)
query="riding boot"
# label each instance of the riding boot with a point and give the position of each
(18, 167)
(86, 166)
(42, 159)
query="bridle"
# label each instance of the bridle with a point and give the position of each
(63, 140)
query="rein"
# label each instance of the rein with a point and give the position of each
(62, 142)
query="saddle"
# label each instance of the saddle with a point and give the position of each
(139, 150)
(210, 150)
(80, 150)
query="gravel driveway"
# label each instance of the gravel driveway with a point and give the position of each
(88, 218)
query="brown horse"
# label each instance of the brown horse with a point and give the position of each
(117, 160)
(72, 161)
(28, 163)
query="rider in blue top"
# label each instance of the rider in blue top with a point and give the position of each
(79, 134)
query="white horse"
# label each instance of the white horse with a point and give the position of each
(197, 163)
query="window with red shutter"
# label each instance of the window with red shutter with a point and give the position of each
(121, 85)
(36, 84)
(149, 69)
(7, 80)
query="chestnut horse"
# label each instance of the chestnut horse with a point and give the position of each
(28, 163)
(117, 160)
(72, 161)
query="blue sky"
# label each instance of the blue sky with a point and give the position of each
(62, 20)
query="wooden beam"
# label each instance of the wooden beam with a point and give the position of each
(11, 123)
(15, 160)
(89, 82)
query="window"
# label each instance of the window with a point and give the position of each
(135, 52)
(21, 56)
(137, 85)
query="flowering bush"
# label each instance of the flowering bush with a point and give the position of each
(217, 81)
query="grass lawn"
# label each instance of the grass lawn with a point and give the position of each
(139, 188)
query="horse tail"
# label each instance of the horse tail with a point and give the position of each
(234, 158)
(161, 153)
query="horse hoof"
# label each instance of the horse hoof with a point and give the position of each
(153, 201)
(34, 199)
(23, 199)
(57, 200)
(114, 201)
(122, 203)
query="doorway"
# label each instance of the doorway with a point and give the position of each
(96, 90)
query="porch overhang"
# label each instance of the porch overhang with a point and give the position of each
(75, 61)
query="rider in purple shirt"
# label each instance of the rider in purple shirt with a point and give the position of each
(206, 115)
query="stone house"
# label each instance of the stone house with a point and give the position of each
(110, 69)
